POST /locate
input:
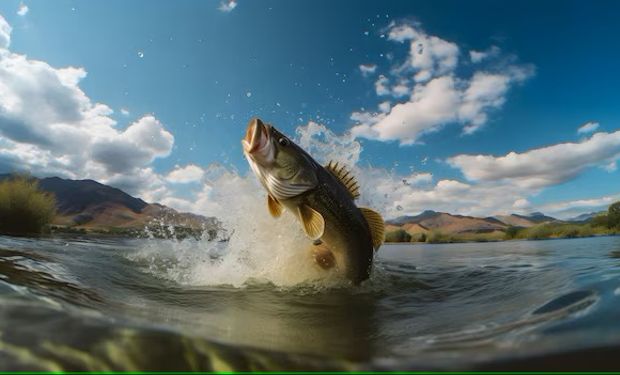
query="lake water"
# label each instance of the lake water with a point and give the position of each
(72, 304)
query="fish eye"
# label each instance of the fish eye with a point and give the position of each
(283, 141)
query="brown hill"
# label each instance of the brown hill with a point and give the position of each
(446, 223)
(90, 205)
(525, 221)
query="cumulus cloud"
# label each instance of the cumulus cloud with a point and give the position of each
(588, 127)
(385, 107)
(572, 208)
(401, 90)
(431, 106)
(381, 86)
(137, 146)
(227, 6)
(429, 55)
(438, 96)
(186, 174)
(5, 33)
(22, 10)
(544, 166)
(367, 69)
(49, 126)
(478, 56)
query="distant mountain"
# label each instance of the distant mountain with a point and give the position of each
(586, 216)
(539, 217)
(91, 205)
(525, 221)
(413, 219)
(77, 196)
(446, 223)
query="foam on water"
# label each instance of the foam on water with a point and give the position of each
(260, 248)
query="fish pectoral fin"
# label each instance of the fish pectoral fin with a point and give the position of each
(275, 207)
(323, 256)
(376, 225)
(312, 221)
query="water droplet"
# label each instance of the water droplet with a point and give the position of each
(248, 94)
(140, 54)
(366, 33)
(278, 104)
(399, 207)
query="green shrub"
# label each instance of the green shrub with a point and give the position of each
(512, 232)
(419, 237)
(613, 215)
(398, 235)
(24, 209)
(436, 236)
(600, 221)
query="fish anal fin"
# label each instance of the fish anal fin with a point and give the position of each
(275, 207)
(323, 256)
(345, 177)
(312, 221)
(376, 225)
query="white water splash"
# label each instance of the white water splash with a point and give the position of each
(260, 248)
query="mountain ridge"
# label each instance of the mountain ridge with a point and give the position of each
(93, 206)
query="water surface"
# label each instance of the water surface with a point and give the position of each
(111, 304)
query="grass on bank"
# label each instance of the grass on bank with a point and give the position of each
(24, 209)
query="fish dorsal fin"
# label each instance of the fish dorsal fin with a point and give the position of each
(312, 221)
(345, 177)
(376, 225)
(275, 207)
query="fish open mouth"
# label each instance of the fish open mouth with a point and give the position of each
(256, 137)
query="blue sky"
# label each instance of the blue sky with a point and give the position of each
(177, 81)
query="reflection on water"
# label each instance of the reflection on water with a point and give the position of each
(130, 305)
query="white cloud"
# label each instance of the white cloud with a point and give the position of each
(544, 166)
(402, 32)
(137, 146)
(381, 87)
(485, 91)
(439, 96)
(186, 174)
(478, 56)
(227, 6)
(385, 107)
(49, 126)
(521, 204)
(572, 208)
(400, 90)
(431, 106)
(5, 33)
(429, 56)
(367, 69)
(22, 10)
(588, 127)
(124, 111)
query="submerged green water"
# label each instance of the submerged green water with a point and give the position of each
(137, 305)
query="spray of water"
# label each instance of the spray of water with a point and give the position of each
(254, 247)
